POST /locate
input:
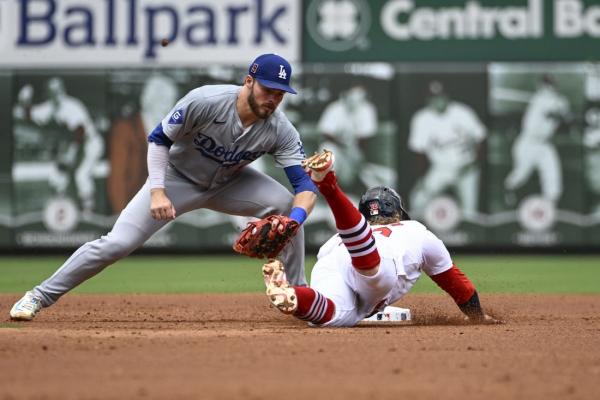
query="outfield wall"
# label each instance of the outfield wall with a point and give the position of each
(517, 164)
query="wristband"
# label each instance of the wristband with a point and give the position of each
(298, 214)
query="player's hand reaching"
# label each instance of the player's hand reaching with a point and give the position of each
(161, 207)
(266, 237)
(484, 319)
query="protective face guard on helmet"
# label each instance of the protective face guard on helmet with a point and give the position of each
(382, 201)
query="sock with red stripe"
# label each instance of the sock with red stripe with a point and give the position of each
(352, 226)
(313, 306)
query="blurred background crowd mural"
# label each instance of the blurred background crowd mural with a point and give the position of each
(484, 115)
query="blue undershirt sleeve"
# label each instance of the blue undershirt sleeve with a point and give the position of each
(158, 136)
(299, 179)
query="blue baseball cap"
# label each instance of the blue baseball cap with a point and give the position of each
(272, 71)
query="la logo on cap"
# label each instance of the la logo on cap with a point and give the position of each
(282, 73)
(272, 71)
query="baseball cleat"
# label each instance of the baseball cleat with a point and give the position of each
(319, 165)
(281, 295)
(26, 308)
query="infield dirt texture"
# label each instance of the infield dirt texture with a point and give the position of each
(227, 346)
(154, 327)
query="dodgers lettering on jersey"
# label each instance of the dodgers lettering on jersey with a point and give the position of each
(209, 142)
(226, 157)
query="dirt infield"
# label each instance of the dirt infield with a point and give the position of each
(235, 347)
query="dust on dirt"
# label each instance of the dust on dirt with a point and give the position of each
(236, 347)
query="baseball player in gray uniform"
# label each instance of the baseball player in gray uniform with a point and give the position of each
(196, 159)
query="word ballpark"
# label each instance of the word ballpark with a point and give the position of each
(131, 23)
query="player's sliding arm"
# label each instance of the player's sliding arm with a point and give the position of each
(454, 282)
(158, 159)
(441, 269)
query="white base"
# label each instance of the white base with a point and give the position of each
(390, 314)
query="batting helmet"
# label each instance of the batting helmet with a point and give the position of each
(382, 201)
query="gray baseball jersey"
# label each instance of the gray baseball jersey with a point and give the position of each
(209, 150)
(210, 145)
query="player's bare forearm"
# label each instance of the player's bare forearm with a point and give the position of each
(160, 205)
(306, 200)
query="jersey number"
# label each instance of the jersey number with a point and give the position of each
(385, 231)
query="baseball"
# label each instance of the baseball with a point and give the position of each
(164, 42)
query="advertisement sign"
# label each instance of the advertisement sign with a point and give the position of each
(591, 151)
(347, 109)
(443, 123)
(59, 163)
(79, 155)
(450, 30)
(505, 155)
(536, 174)
(6, 201)
(145, 33)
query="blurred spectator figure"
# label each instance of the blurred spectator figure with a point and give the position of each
(79, 150)
(591, 133)
(346, 124)
(448, 135)
(128, 141)
(533, 149)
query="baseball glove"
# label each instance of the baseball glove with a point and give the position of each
(266, 237)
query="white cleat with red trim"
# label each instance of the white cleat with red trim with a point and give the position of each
(280, 294)
(319, 165)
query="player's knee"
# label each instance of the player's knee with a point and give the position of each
(380, 283)
(281, 204)
(109, 250)
(367, 271)
(118, 251)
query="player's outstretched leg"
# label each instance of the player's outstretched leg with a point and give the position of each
(302, 302)
(280, 293)
(351, 225)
